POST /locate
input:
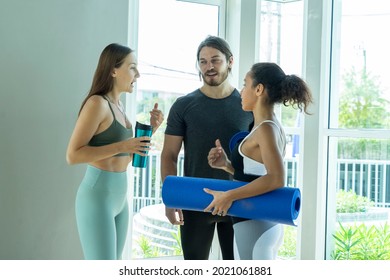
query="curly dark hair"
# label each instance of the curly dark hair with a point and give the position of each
(281, 88)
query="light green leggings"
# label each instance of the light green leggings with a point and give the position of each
(102, 214)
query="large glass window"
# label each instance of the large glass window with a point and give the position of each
(359, 132)
(281, 41)
(361, 80)
(168, 36)
(357, 128)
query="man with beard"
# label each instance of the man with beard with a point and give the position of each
(197, 119)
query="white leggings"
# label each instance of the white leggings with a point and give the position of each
(257, 240)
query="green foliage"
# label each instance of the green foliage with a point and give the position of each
(345, 239)
(362, 243)
(360, 148)
(147, 250)
(288, 250)
(361, 103)
(289, 115)
(347, 202)
(177, 248)
(350, 202)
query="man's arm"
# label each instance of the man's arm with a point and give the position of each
(169, 156)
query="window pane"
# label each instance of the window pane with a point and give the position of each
(169, 34)
(359, 199)
(359, 165)
(167, 52)
(360, 76)
(281, 33)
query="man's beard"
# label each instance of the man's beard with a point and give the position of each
(215, 82)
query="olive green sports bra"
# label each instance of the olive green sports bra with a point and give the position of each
(116, 132)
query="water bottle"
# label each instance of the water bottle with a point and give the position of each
(141, 130)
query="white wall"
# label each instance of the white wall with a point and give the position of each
(48, 53)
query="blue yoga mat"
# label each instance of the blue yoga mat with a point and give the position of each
(238, 137)
(280, 206)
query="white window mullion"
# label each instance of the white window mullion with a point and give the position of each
(313, 160)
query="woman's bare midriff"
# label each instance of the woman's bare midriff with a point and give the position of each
(113, 164)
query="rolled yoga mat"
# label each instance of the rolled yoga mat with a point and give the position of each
(236, 138)
(281, 205)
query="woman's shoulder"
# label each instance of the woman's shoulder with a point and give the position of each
(96, 105)
(266, 129)
(269, 132)
(96, 100)
(270, 124)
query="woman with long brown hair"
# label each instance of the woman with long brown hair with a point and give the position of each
(103, 138)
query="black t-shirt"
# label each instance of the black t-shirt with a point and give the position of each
(200, 120)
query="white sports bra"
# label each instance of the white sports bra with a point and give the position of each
(253, 167)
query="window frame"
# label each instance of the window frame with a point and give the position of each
(331, 104)
(315, 131)
(130, 99)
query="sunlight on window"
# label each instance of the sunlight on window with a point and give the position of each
(358, 213)
(169, 34)
(361, 80)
